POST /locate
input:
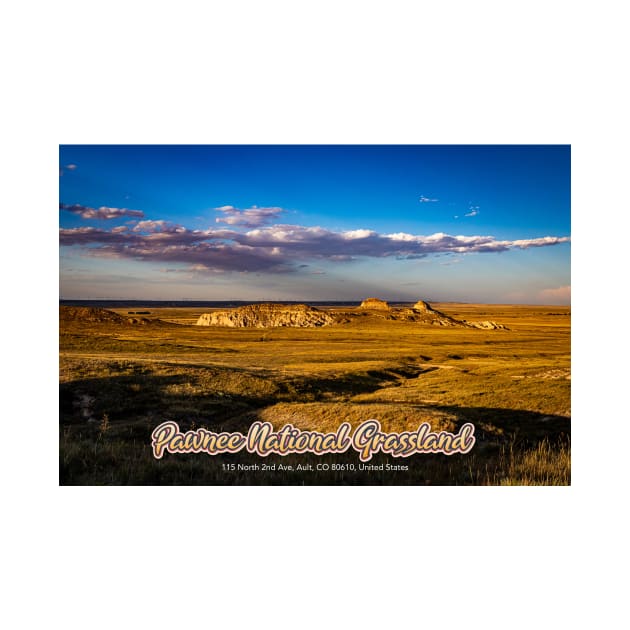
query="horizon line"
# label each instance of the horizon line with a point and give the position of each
(253, 301)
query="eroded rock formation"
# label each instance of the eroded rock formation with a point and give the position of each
(421, 305)
(487, 325)
(375, 304)
(267, 316)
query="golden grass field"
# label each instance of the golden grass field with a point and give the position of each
(513, 385)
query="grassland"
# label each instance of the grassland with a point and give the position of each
(117, 382)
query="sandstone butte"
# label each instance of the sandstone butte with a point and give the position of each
(267, 316)
(421, 305)
(375, 304)
(304, 316)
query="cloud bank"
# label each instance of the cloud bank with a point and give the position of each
(275, 248)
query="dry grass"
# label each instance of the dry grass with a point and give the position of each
(545, 464)
(512, 385)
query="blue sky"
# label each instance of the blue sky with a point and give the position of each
(441, 223)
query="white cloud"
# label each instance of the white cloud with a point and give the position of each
(352, 234)
(104, 212)
(67, 167)
(150, 226)
(249, 218)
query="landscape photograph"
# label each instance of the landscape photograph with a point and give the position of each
(308, 290)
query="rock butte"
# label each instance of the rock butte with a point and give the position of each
(375, 303)
(94, 315)
(304, 316)
(268, 316)
(421, 305)
(422, 312)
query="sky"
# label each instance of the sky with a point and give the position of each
(468, 223)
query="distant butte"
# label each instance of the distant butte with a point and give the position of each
(268, 316)
(94, 315)
(304, 316)
(421, 305)
(375, 304)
